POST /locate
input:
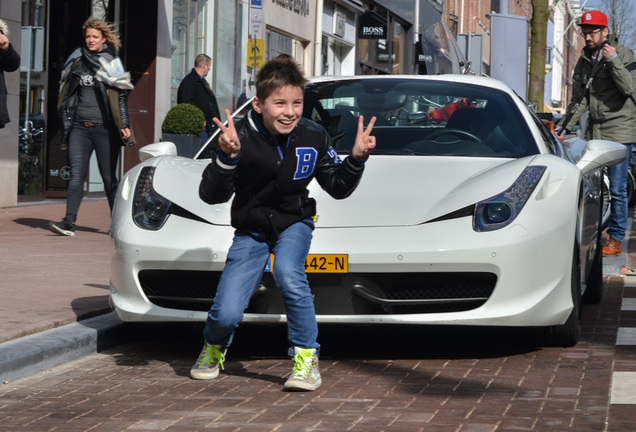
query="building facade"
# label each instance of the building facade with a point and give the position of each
(474, 17)
(566, 48)
(564, 44)
(160, 39)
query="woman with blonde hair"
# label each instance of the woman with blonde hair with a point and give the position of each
(93, 104)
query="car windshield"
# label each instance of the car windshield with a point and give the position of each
(420, 117)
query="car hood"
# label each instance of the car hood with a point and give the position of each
(397, 191)
(394, 190)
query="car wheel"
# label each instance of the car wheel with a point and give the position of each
(568, 334)
(594, 284)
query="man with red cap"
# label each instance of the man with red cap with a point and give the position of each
(612, 110)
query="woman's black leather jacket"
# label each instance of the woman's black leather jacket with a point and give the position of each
(69, 98)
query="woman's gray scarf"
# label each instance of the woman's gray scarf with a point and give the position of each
(105, 64)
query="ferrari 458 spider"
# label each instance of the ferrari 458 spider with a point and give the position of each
(469, 212)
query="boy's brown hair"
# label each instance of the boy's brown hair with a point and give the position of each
(281, 71)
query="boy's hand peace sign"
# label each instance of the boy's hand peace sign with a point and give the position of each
(365, 142)
(231, 146)
(228, 141)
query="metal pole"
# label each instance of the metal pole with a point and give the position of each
(504, 7)
(318, 36)
(27, 99)
(416, 32)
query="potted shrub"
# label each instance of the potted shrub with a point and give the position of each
(183, 125)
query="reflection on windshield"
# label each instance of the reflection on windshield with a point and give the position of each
(440, 52)
(418, 117)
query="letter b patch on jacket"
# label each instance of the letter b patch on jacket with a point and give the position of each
(306, 158)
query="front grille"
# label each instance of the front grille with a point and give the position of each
(187, 290)
(334, 294)
(409, 293)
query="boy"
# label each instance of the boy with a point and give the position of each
(267, 160)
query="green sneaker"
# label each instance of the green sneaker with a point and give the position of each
(305, 375)
(207, 366)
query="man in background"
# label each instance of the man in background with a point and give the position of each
(194, 89)
(612, 111)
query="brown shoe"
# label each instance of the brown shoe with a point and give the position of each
(612, 247)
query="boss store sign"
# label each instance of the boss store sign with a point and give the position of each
(372, 26)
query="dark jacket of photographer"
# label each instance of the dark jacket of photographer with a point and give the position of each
(9, 61)
(114, 100)
(611, 100)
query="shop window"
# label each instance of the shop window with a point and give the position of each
(397, 65)
(277, 44)
(212, 28)
(333, 54)
(228, 54)
(188, 39)
(31, 129)
(383, 56)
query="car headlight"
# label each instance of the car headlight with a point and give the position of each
(500, 210)
(149, 210)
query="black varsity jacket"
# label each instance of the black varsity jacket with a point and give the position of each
(271, 173)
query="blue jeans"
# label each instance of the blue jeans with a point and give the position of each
(242, 275)
(618, 191)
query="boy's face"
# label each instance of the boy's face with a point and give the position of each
(281, 110)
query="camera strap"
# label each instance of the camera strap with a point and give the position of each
(596, 66)
(630, 67)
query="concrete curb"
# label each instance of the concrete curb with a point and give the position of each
(31, 354)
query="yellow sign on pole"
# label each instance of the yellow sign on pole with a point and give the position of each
(255, 53)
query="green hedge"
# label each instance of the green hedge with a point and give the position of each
(183, 119)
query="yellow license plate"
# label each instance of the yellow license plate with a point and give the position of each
(322, 263)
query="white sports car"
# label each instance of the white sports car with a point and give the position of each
(470, 212)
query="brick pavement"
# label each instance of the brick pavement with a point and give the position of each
(375, 379)
(50, 280)
(432, 380)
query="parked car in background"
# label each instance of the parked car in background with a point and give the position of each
(480, 218)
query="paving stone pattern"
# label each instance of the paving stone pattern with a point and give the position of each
(439, 380)
(49, 280)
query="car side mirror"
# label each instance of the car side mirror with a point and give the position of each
(163, 148)
(601, 154)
